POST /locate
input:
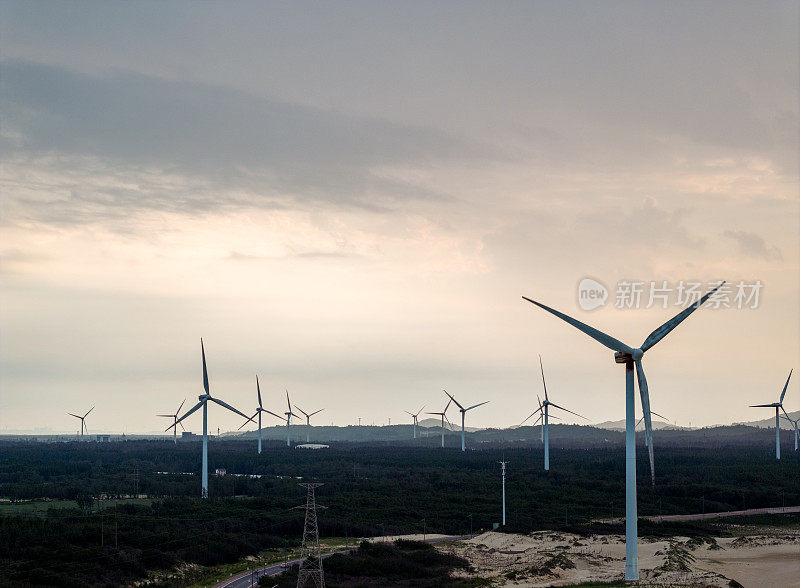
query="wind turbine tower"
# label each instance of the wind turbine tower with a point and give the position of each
(777, 405)
(544, 410)
(308, 421)
(83, 420)
(289, 414)
(443, 414)
(503, 470)
(258, 412)
(174, 418)
(464, 412)
(414, 418)
(632, 357)
(203, 403)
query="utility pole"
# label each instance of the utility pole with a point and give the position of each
(503, 469)
(311, 572)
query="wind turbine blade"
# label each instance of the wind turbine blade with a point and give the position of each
(543, 382)
(477, 405)
(301, 410)
(447, 405)
(639, 422)
(569, 411)
(786, 385)
(247, 421)
(665, 329)
(420, 410)
(539, 401)
(205, 370)
(258, 389)
(529, 416)
(180, 407)
(287, 401)
(229, 407)
(167, 415)
(87, 414)
(186, 414)
(784, 412)
(659, 416)
(599, 336)
(648, 424)
(453, 399)
(448, 421)
(182, 427)
(75, 415)
(771, 405)
(316, 411)
(273, 414)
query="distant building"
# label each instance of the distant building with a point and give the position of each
(311, 446)
(220, 472)
(103, 438)
(187, 436)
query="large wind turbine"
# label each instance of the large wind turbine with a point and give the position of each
(794, 422)
(83, 420)
(308, 421)
(204, 398)
(414, 418)
(289, 414)
(463, 412)
(777, 405)
(258, 412)
(630, 357)
(443, 414)
(174, 417)
(544, 409)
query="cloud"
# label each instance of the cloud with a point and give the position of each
(227, 138)
(752, 245)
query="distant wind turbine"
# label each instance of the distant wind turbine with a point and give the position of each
(414, 418)
(258, 412)
(777, 405)
(544, 410)
(443, 414)
(630, 357)
(204, 398)
(794, 422)
(174, 417)
(464, 412)
(83, 420)
(308, 421)
(289, 414)
(654, 413)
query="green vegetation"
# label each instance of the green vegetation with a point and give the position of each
(81, 529)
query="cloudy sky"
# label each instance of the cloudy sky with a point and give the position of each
(350, 199)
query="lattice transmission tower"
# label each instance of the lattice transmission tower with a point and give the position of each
(311, 572)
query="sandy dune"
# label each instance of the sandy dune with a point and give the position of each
(557, 559)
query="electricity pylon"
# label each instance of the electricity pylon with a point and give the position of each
(311, 573)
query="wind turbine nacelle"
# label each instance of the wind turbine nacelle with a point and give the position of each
(620, 357)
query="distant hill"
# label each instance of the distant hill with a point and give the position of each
(769, 423)
(658, 425)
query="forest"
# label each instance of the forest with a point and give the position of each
(128, 508)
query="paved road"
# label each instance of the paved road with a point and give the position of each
(250, 578)
(713, 515)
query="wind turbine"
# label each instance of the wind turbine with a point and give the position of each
(443, 414)
(83, 419)
(204, 398)
(289, 414)
(174, 417)
(308, 421)
(630, 357)
(544, 408)
(794, 422)
(414, 418)
(258, 412)
(777, 405)
(463, 412)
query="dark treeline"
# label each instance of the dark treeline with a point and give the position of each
(369, 490)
